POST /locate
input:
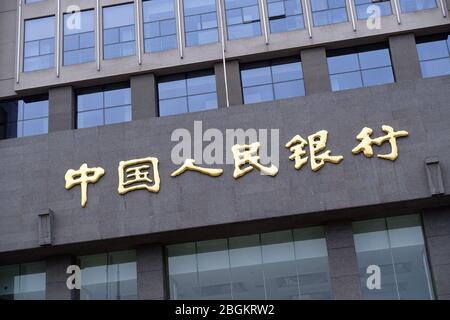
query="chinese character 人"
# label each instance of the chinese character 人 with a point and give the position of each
(83, 177)
(134, 175)
(189, 164)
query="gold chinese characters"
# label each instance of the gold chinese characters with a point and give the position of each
(143, 174)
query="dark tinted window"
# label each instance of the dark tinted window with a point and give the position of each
(189, 92)
(103, 105)
(20, 118)
(272, 80)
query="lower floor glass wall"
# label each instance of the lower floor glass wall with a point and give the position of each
(396, 247)
(109, 276)
(23, 281)
(288, 265)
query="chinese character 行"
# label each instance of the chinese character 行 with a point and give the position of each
(366, 143)
(134, 175)
(248, 154)
(83, 177)
(189, 164)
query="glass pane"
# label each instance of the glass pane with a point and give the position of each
(256, 76)
(213, 270)
(35, 127)
(118, 16)
(202, 102)
(36, 109)
(246, 268)
(377, 76)
(117, 97)
(89, 101)
(9, 276)
(89, 119)
(258, 94)
(71, 42)
(79, 22)
(32, 282)
(432, 50)
(117, 115)
(287, 71)
(172, 89)
(312, 263)
(375, 59)
(289, 89)
(156, 10)
(202, 84)
(42, 28)
(122, 276)
(343, 63)
(416, 5)
(435, 68)
(280, 270)
(244, 30)
(183, 271)
(173, 106)
(346, 81)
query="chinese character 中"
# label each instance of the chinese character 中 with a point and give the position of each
(366, 142)
(83, 177)
(134, 175)
(189, 164)
(248, 155)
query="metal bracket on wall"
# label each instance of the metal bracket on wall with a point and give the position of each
(434, 175)
(46, 228)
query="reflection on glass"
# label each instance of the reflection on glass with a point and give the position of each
(434, 56)
(103, 105)
(27, 117)
(272, 80)
(39, 44)
(200, 22)
(23, 281)
(118, 31)
(243, 18)
(290, 264)
(367, 8)
(189, 92)
(361, 67)
(109, 276)
(285, 15)
(79, 39)
(396, 245)
(160, 32)
(328, 12)
(417, 5)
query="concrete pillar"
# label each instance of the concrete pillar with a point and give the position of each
(56, 277)
(150, 272)
(344, 272)
(61, 109)
(436, 226)
(144, 97)
(315, 70)
(234, 84)
(405, 60)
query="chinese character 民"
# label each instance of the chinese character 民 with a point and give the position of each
(134, 175)
(366, 142)
(189, 164)
(248, 154)
(297, 147)
(83, 177)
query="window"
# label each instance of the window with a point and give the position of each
(105, 105)
(20, 118)
(285, 15)
(285, 265)
(109, 276)
(243, 19)
(417, 5)
(39, 46)
(434, 56)
(328, 12)
(189, 92)
(32, 1)
(23, 281)
(79, 40)
(160, 29)
(396, 245)
(365, 8)
(274, 80)
(363, 67)
(200, 22)
(118, 31)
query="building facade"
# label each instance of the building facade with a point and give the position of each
(112, 83)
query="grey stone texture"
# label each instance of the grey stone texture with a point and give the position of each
(233, 81)
(150, 272)
(62, 109)
(144, 96)
(405, 60)
(56, 277)
(315, 70)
